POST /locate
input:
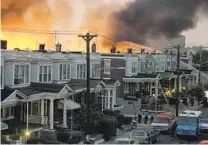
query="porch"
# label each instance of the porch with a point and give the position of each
(141, 84)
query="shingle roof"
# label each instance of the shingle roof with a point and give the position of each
(109, 82)
(36, 88)
(6, 92)
(166, 75)
(140, 75)
(76, 84)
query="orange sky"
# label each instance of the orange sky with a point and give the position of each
(64, 15)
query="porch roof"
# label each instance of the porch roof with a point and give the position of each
(6, 92)
(142, 78)
(167, 75)
(112, 82)
(37, 88)
(4, 126)
(71, 105)
(77, 84)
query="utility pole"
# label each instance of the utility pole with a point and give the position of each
(88, 38)
(200, 63)
(177, 81)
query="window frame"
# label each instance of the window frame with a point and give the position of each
(95, 70)
(81, 71)
(67, 75)
(10, 113)
(134, 67)
(107, 66)
(21, 74)
(42, 73)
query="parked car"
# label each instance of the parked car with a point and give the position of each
(203, 125)
(124, 141)
(145, 136)
(163, 122)
(203, 142)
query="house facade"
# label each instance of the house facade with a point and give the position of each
(36, 85)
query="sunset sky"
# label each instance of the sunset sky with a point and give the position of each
(98, 17)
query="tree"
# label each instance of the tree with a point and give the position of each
(196, 57)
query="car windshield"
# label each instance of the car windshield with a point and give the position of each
(204, 121)
(161, 120)
(121, 142)
(134, 134)
(187, 120)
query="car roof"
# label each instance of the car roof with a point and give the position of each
(165, 115)
(204, 142)
(123, 139)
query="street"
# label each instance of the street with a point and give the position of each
(164, 138)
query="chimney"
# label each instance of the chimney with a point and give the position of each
(3, 44)
(93, 47)
(17, 49)
(58, 47)
(143, 51)
(130, 50)
(42, 47)
(113, 49)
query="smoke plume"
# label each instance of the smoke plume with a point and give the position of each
(121, 20)
(141, 20)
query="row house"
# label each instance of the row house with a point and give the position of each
(145, 72)
(35, 86)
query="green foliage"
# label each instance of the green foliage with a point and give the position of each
(81, 117)
(107, 126)
(121, 120)
(196, 57)
(127, 120)
(33, 141)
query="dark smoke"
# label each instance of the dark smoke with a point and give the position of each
(144, 19)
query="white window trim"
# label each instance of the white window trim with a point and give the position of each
(29, 75)
(84, 69)
(67, 77)
(96, 72)
(107, 68)
(48, 65)
(134, 67)
(10, 116)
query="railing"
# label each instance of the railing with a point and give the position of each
(34, 119)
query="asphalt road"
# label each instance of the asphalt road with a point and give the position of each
(166, 139)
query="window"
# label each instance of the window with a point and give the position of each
(21, 74)
(64, 72)
(134, 67)
(111, 92)
(45, 74)
(168, 63)
(81, 71)
(107, 65)
(187, 120)
(7, 112)
(2, 77)
(95, 70)
(142, 67)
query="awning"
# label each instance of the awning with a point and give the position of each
(71, 105)
(4, 126)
